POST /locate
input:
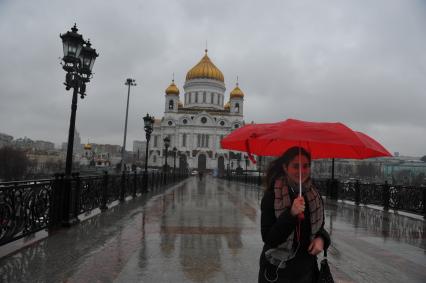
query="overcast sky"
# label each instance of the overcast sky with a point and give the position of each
(362, 63)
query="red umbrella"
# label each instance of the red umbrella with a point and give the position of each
(321, 139)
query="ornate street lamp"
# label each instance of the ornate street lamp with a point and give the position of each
(166, 145)
(129, 82)
(174, 159)
(78, 61)
(148, 127)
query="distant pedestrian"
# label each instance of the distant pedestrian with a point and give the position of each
(291, 244)
(200, 175)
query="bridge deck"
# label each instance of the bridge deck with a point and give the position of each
(208, 231)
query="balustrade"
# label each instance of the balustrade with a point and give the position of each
(27, 207)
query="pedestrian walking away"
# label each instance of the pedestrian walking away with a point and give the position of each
(292, 224)
(200, 175)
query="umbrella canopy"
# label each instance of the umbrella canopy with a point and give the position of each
(321, 139)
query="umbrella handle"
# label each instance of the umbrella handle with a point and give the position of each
(301, 216)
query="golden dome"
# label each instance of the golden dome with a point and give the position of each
(180, 104)
(87, 146)
(205, 69)
(172, 89)
(237, 93)
(227, 106)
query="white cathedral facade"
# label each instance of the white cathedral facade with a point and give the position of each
(197, 120)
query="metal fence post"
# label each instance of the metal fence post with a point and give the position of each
(357, 192)
(55, 213)
(75, 196)
(386, 196)
(104, 199)
(122, 187)
(135, 181)
(424, 202)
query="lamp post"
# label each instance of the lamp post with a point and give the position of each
(174, 160)
(166, 145)
(129, 82)
(229, 163)
(77, 62)
(148, 122)
(246, 161)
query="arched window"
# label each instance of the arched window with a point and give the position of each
(204, 97)
(237, 107)
(171, 104)
(184, 140)
(196, 97)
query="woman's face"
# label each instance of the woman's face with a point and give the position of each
(292, 169)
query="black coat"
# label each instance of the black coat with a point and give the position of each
(275, 231)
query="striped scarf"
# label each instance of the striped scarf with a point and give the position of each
(284, 252)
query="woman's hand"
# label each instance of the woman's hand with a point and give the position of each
(298, 206)
(316, 246)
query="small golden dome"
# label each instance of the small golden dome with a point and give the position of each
(172, 89)
(87, 146)
(180, 104)
(236, 92)
(205, 69)
(227, 106)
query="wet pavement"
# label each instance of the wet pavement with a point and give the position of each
(208, 231)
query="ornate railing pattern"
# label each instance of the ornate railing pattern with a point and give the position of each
(24, 208)
(410, 199)
(30, 206)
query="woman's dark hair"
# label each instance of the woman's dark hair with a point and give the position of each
(275, 168)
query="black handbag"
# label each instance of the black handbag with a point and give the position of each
(325, 273)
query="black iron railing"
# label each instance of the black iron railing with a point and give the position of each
(27, 207)
(404, 198)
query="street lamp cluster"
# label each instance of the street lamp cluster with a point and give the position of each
(78, 61)
(79, 58)
(148, 127)
(166, 141)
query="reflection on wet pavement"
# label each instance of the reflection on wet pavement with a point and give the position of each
(208, 231)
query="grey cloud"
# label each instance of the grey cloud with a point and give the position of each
(362, 63)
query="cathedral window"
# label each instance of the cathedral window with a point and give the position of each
(196, 97)
(222, 123)
(204, 97)
(185, 121)
(189, 97)
(236, 126)
(203, 140)
(237, 107)
(211, 98)
(170, 123)
(171, 104)
(184, 140)
(204, 120)
(154, 159)
(155, 141)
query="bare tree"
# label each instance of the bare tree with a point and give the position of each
(13, 163)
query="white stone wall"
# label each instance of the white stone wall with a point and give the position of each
(199, 87)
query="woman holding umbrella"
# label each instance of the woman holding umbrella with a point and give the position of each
(292, 223)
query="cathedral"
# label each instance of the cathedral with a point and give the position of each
(197, 120)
